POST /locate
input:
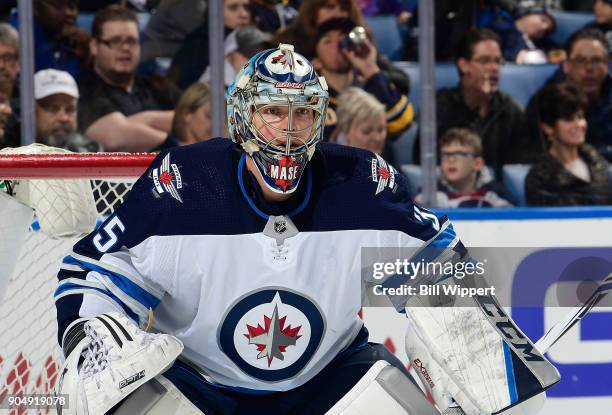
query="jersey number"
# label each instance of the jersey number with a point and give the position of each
(111, 237)
(425, 216)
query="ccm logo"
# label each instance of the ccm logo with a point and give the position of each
(419, 365)
(509, 331)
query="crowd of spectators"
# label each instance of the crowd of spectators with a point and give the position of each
(120, 85)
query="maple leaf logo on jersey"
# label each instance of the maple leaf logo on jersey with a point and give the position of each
(167, 179)
(273, 339)
(383, 174)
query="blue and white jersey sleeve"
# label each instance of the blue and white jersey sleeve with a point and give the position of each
(118, 266)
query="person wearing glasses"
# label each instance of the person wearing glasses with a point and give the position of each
(120, 109)
(464, 179)
(587, 67)
(57, 95)
(478, 104)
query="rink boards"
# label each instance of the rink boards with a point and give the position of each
(559, 244)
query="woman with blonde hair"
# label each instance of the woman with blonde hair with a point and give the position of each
(191, 122)
(362, 122)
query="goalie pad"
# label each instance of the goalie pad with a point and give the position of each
(64, 208)
(383, 387)
(475, 355)
(112, 360)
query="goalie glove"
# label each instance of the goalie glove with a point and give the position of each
(112, 358)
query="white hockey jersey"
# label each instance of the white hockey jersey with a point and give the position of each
(257, 305)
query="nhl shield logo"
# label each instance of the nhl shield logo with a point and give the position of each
(167, 179)
(280, 226)
(271, 334)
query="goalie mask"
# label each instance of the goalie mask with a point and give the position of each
(276, 112)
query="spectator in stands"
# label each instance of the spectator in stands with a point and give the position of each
(118, 108)
(172, 21)
(347, 66)
(191, 121)
(523, 32)
(9, 69)
(587, 68)
(476, 103)
(465, 181)
(191, 60)
(571, 172)
(5, 114)
(312, 14)
(603, 19)
(362, 122)
(240, 45)
(57, 95)
(58, 42)
(303, 32)
(9, 60)
(273, 15)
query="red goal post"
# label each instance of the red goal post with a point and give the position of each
(47, 202)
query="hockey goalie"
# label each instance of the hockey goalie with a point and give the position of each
(229, 282)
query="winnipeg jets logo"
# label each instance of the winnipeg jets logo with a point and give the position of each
(285, 172)
(383, 174)
(284, 62)
(282, 59)
(271, 334)
(273, 338)
(167, 178)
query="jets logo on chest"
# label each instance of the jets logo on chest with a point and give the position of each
(271, 334)
(273, 338)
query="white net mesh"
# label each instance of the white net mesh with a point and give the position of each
(29, 353)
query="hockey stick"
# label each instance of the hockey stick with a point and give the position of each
(565, 324)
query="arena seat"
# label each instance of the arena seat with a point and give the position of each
(387, 35)
(519, 81)
(513, 177)
(568, 23)
(415, 176)
(403, 147)
(85, 21)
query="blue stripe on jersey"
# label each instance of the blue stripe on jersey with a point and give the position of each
(254, 206)
(72, 286)
(510, 373)
(122, 282)
(444, 239)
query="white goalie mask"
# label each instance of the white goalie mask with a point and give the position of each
(276, 111)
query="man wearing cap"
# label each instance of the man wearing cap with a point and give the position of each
(344, 66)
(57, 95)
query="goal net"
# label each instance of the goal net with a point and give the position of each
(49, 198)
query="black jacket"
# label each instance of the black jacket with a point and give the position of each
(549, 183)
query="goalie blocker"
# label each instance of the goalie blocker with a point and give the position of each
(468, 351)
